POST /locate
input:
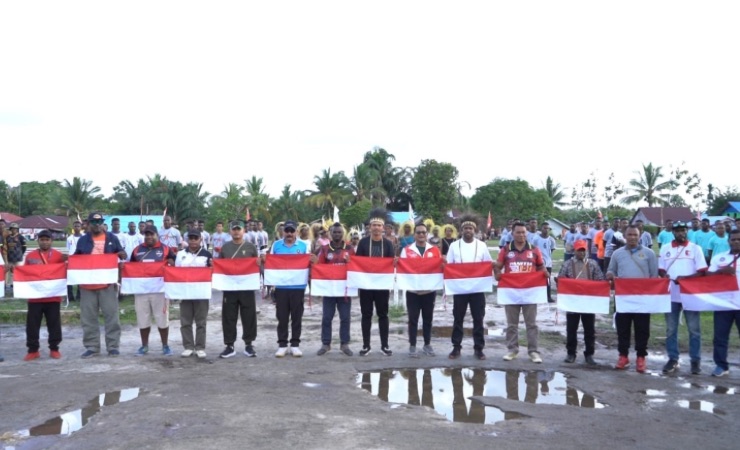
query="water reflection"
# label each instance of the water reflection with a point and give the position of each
(69, 422)
(700, 405)
(448, 391)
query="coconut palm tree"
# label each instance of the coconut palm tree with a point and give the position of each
(78, 197)
(648, 187)
(555, 192)
(331, 190)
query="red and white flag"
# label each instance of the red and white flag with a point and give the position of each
(2, 280)
(714, 293)
(142, 278)
(40, 280)
(468, 278)
(489, 222)
(330, 280)
(420, 274)
(642, 295)
(286, 270)
(583, 296)
(92, 269)
(238, 274)
(187, 283)
(364, 272)
(522, 288)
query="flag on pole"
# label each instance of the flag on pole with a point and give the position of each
(92, 269)
(490, 221)
(142, 278)
(2, 280)
(419, 274)
(713, 293)
(468, 278)
(164, 213)
(583, 296)
(364, 272)
(412, 216)
(330, 280)
(247, 216)
(40, 281)
(642, 295)
(522, 288)
(286, 270)
(336, 214)
(599, 215)
(187, 283)
(238, 274)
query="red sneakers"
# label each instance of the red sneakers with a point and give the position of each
(55, 354)
(641, 364)
(622, 363)
(30, 356)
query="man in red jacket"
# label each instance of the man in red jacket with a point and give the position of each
(48, 307)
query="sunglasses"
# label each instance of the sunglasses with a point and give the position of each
(288, 230)
(97, 222)
(421, 232)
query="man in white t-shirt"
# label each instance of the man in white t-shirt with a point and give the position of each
(219, 238)
(131, 240)
(169, 235)
(71, 248)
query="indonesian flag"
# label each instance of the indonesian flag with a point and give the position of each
(330, 280)
(187, 283)
(364, 272)
(238, 274)
(2, 281)
(522, 288)
(420, 274)
(286, 270)
(468, 278)
(142, 278)
(92, 269)
(642, 295)
(490, 221)
(713, 293)
(583, 296)
(40, 281)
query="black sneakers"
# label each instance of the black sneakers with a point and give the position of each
(249, 351)
(455, 353)
(228, 352)
(365, 351)
(670, 366)
(386, 351)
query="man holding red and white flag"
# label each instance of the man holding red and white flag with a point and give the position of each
(521, 257)
(468, 250)
(421, 301)
(99, 296)
(152, 305)
(46, 307)
(194, 310)
(632, 261)
(336, 253)
(726, 264)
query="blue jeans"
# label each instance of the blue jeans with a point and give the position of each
(671, 338)
(723, 321)
(344, 306)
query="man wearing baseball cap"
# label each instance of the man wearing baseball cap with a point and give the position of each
(194, 310)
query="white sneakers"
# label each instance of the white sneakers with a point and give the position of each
(187, 353)
(281, 351)
(296, 352)
(510, 356)
(200, 354)
(535, 358)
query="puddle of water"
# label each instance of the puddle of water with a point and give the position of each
(654, 393)
(448, 391)
(69, 422)
(722, 390)
(700, 405)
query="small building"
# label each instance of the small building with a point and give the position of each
(657, 216)
(558, 228)
(731, 210)
(9, 217)
(32, 225)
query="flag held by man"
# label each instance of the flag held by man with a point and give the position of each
(286, 270)
(364, 272)
(420, 274)
(92, 269)
(40, 280)
(522, 288)
(238, 274)
(330, 280)
(583, 296)
(468, 278)
(713, 293)
(142, 278)
(642, 295)
(187, 283)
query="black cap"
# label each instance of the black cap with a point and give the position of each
(193, 233)
(290, 224)
(44, 233)
(95, 216)
(151, 229)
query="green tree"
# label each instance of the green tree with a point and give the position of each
(649, 187)
(290, 204)
(78, 197)
(258, 201)
(393, 182)
(509, 199)
(356, 215)
(434, 188)
(555, 192)
(331, 190)
(719, 198)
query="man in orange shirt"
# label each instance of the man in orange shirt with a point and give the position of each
(600, 246)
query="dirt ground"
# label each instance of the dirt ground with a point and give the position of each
(316, 402)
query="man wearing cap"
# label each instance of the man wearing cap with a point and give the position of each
(99, 297)
(376, 246)
(289, 299)
(15, 246)
(681, 259)
(47, 307)
(580, 267)
(154, 306)
(521, 257)
(238, 302)
(169, 235)
(194, 255)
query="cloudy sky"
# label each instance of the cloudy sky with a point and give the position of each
(216, 92)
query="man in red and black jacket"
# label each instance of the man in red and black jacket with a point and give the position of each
(336, 252)
(48, 307)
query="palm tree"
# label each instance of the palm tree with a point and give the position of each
(289, 204)
(395, 182)
(78, 197)
(364, 186)
(648, 187)
(258, 201)
(555, 192)
(331, 190)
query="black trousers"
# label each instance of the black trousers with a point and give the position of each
(378, 299)
(236, 303)
(424, 304)
(36, 312)
(641, 322)
(477, 304)
(589, 332)
(289, 307)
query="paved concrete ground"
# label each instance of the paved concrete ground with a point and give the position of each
(316, 402)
